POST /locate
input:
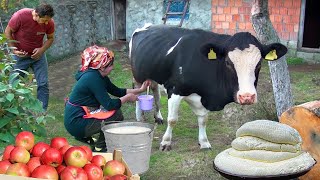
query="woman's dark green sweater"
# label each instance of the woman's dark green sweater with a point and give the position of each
(91, 89)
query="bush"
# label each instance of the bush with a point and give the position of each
(20, 110)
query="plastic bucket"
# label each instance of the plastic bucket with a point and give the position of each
(145, 102)
(134, 139)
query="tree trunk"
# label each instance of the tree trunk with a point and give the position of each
(278, 69)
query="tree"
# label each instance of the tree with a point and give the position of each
(278, 69)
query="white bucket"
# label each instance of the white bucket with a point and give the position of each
(134, 139)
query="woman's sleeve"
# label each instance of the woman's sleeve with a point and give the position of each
(113, 89)
(100, 93)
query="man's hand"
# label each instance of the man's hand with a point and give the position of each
(37, 53)
(20, 53)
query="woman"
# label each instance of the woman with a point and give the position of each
(91, 95)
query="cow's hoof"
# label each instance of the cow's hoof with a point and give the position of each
(165, 148)
(158, 121)
(205, 149)
(205, 146)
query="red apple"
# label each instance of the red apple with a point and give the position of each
(39, 148)
(25, 139)
(107, 178)
(63, 149)
(93, 171)
(119, 177)
(60, 168)
(113, 167)
(7, 151)
(72, 173)
(18, 169)
(99, 160)
(33, 163)
(51, 157)
(45, 172)
(58, 142)
(88, 151)
(19, 154)
(75, 156)
(4, 164)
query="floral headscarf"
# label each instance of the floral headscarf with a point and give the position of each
(96, 57)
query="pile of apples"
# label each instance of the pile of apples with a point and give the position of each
(57, 160)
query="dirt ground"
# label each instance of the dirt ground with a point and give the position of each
(61, 74)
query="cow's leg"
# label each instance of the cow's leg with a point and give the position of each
(173, 108)
(157, 95)
(194, 101)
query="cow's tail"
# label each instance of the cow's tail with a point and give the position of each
(145, 27)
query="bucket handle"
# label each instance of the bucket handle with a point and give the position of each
(154, 128)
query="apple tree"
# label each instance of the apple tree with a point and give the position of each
(20, 110)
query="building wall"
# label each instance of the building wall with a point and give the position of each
(79, 24)
(140, 12)
(231, 16)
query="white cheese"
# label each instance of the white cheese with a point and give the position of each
(246, 143)
(263, 156)
(271, 131)
(245, 167)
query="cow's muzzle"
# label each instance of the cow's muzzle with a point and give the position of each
(247, 99)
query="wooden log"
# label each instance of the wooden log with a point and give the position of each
(305, 118)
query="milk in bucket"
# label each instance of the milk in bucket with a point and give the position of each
(134, 139)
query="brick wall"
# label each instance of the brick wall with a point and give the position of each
(231, 16)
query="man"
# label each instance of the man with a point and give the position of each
(28, 28)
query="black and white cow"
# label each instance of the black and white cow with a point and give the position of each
(205, 69)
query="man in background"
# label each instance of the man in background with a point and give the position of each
(28, 28)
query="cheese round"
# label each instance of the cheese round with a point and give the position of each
(244, 167)
(246, 143)
(271, 131)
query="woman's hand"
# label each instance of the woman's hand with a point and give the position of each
(145, 85)
(130, 97)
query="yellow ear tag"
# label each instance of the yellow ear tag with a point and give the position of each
(212, 55)
(272, 55)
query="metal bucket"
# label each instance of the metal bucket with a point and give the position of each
(135, 146)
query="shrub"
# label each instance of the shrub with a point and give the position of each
(19, 108)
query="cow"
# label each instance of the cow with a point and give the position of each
(206, 69)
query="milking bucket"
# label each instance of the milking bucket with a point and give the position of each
(145, 102)
(134, 139)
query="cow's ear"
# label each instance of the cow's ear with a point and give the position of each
(212, 52)
(274, 51)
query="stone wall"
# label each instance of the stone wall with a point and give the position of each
(79, 24)
(140, 12)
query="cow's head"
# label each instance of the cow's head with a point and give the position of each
(242, 54)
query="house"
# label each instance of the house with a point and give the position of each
(296, 21)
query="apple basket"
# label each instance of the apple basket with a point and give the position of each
(116, 155)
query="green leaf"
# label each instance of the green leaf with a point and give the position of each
(3, 87)
(40, 130)
(40, 119)
(4, 121)
(13, 76)
(26, 126)
(23, 91)
(7, 137)
(13, 110)
(10, 97)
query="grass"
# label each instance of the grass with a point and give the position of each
(186, 160)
